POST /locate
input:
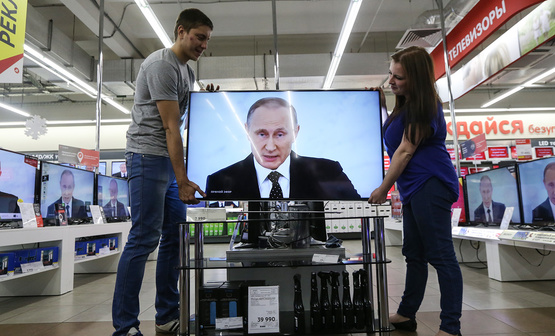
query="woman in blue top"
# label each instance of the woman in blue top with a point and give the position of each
(414, 135)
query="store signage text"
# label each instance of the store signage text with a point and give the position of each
(8, 23)
(489, 126)
(480, 22)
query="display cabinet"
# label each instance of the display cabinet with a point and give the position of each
(372, 261)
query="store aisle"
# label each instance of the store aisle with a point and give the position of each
(490, 307)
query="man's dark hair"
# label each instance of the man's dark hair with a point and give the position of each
(272, 101)
(191, 18)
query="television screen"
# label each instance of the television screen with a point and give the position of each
(489, 193)
(537, 187)
(71, 186)
(119, 169)
(17, 183)
(102, 167)
(113, 197)
(324, 145)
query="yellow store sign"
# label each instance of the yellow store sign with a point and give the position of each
(13, 16)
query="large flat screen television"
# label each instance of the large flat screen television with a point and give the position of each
(330, 140)
(489, 193)
(113, 196)
(17, 183)
(537, 188)
(73, 187)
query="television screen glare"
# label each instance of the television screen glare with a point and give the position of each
(113, 196)
(497, 187)
(537, 187)
(17, 183)
(76, 185)
(338, 146)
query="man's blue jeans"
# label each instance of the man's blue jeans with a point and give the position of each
(155, 211)
(428, 239)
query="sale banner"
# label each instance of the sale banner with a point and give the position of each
(13, 18)
(474, 146)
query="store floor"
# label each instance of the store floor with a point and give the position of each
(489, 307)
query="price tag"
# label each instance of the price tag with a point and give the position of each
(32, 267)
(28, 215)
(229, 323)
(325, 258)
(455, 216)
(507, 218)
(263, 315)
(97, 214)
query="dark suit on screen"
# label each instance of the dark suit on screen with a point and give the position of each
(543, 212)
(498, 212)
(226, 204)
(311, 178)
(78, 209)
(118, 174)
(120, 209)
(8, 203)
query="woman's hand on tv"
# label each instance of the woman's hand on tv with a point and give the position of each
(382, 94)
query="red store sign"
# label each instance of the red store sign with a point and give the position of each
(498, 152)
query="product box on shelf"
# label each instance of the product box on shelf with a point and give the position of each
(49, 255)
(208, 300)
(80, 249)
(228, 299)
(7, 260)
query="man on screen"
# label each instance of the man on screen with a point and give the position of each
(75, 208)
(273, 170)
(488, 211)
(544, 211)
(114, 208)
(8, 202)
(122, 171)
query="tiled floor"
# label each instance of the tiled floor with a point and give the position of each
(490, 307)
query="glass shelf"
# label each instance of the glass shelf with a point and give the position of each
(222, 263)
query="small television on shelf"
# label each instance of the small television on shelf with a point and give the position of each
(325, 145)
(17, 183)
(489, 193)
(113, 196)
(536, 180)
(102, 167)
(119, 169)
(68, 189)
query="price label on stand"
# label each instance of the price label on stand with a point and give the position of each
(263, 315)
(97, 214)
(507, 218)
(32, 267)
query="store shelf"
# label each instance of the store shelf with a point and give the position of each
(23, 275)
(95, 257)
(64, 237)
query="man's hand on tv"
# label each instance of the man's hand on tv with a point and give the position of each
(378, 196)
(187, 192)
(210, 88)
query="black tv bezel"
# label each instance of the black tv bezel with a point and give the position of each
(37, 178)
(538, 224)
(96, 185)
(48, 221)
(466, 201)
(207, 199)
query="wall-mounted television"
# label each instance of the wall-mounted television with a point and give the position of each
(330, 140)
(73, 187)
(489, 193)
(113, 196)
(537, 188)
(17, 183)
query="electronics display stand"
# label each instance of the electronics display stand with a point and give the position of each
(200, 263)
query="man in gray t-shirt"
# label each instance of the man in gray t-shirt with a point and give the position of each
(158, 183)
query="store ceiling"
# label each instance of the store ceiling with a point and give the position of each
(243, 34)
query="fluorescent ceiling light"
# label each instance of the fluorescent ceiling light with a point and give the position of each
(520, 87)
(507, 109)
(352, 13)
(13, 109)
(68, 77)
(154, 23)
